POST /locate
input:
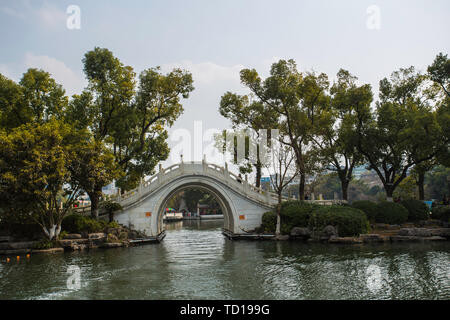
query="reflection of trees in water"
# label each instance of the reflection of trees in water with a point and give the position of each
(192, 197)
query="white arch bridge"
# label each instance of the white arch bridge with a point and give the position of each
(242, 204)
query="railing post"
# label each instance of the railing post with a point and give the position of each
(181, 164)
(160, 174)
(225, 171)
(245, 185)
(204, 163)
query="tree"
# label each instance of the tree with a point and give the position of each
(93, 167)
(439, 72)
(282, 173)
(334, 137)
(248, 117)
(37, 98)
(398, 136)
(129, 122)
(295, 99)
(35, 175)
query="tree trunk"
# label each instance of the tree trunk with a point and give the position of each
(278, 227)
(421, 185)
(344, 186)
(95, 199)
(389, 192)
(52, 232)
(258, 174)
(301, 187)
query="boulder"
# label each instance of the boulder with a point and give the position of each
(370, 238)
(282, 237)
(51, 250)
(434, 238)
(72, 236)
(441, 232)
(405, 238)
(111, 238)
(15, 251)
(5, 239)
(123, 236)
(99, 235)
(21, 245)
(416, 232)
(330, 231)
(300, 233)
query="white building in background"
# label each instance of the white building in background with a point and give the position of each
(110, 189)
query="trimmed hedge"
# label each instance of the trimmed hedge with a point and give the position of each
(295, 214)
(441, 213)
(417, 210)
(269, 222)
(391, 213)
(76, 223)
(370, 208)
(349, 221)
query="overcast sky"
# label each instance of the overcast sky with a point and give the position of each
(216, 39)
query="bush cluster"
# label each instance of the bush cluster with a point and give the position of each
(269, 222)
(391, 213)
(76, 223)
(295, 214)
(368, 207)
(417, 210)
(441, 213)
(349, 221)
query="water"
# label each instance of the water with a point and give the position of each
(195, 261)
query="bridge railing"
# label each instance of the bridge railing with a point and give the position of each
(208, 169)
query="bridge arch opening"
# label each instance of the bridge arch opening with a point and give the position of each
(221, 199)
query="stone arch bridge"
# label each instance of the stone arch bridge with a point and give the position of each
(242, 203)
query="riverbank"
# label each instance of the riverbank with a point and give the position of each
(118, 238)
(383, 233)
(113, 238)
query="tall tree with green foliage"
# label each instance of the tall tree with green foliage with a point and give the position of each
(35, 161)
(296, 99)
(248, 118)
(398, 136)
(335, 139)
(130, 122)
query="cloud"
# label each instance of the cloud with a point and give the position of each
(51, 16)
(46, 14)
(12, 12)
(71, 81)
(208, 73)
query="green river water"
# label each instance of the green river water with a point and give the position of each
(195, 261)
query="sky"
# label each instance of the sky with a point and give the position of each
(214, 40)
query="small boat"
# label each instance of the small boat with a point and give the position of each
(173, 216)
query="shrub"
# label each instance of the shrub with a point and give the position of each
(295, 214)
(441, 213)
(113, 224)
(76, 223)
(349, 221)
(269, 222)
(391, 213)
(45, 244)
(417, 210)
(368, 207)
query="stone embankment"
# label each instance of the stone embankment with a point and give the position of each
(380, 234)
(111, 238)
